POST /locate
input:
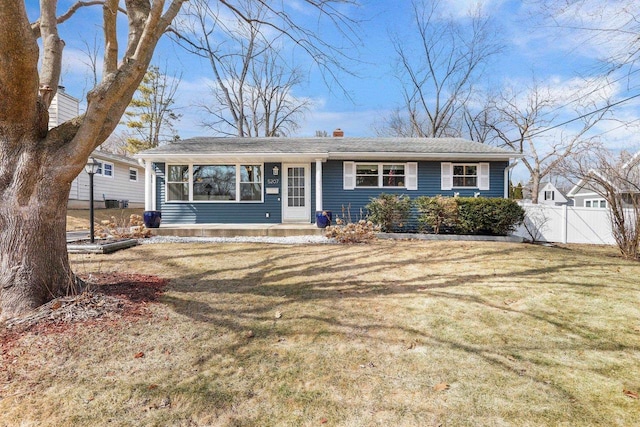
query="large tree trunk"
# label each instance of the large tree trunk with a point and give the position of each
(37, 165)
(34, 265)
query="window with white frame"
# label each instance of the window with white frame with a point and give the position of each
(378, 175)
(133, 174)
(549, 195)
(177, 183)
(214, 183)
(595, 203)
(465, 175)
(105, 169)
(250, 182)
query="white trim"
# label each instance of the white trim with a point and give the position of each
(507, 177)
(380, 174)
(190, 182)
(319, 184)
(102, 164)
(411, 176)
(591, 201)
(460, 157)
(484, 176)
(310, 157)
(154, 186)
(446, 176)
(133, 170)
(149, 187)
(348, 175)
(306, 216)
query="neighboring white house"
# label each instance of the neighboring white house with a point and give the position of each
(550, 195)
(585, 196)
(120, 179)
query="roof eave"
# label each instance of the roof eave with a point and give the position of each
(172, 157)
(421, 156)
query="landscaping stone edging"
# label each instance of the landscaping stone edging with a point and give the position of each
(99, 247)
(460, 237)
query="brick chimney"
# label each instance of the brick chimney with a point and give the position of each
(338, 133)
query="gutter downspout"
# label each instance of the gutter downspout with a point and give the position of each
(507, 177)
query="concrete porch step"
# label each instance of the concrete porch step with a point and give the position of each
(233, 230)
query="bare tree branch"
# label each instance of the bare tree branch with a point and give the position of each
(438, 78)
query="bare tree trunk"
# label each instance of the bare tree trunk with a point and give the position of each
(34, 265)
(535, 188)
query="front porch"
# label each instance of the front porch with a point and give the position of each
(234, 230)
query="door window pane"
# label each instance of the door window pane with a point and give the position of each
(295, 187)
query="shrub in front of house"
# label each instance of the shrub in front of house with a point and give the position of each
(490, 216)
(389, 211)
(436, 214)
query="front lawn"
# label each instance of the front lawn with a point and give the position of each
(394, 333)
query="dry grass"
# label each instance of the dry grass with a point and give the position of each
(259, 335)
(78, 219)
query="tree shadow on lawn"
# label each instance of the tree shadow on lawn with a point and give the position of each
(239, 288)
(282, 280)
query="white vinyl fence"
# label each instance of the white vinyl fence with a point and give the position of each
(564, 224)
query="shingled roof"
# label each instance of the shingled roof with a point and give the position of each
(327, 148)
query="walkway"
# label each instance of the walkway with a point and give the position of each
(233, 230)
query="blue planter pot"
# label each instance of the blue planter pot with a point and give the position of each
(152, 219)
(323, 218)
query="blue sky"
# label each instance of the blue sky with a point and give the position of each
(532, 47)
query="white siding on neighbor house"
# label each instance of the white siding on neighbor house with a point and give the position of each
(556, 198)
(63, 107)
(118, 187)
(565, 224)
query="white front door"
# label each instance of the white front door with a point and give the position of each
(296, 200)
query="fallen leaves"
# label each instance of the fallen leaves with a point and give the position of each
(139, 355)
(631, 394)
(441, 387)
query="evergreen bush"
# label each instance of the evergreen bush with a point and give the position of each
(490, 216)
(389, 211)
(436, 212)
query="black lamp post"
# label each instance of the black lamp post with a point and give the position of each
(91, 168)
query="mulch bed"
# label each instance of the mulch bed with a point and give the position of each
(109, 298)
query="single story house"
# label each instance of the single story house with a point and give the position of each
(288, 180)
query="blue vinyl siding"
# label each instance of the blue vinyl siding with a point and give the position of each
(230, 213)
(334, 196)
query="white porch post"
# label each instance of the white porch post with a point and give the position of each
(318, 185)
(148, 187)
